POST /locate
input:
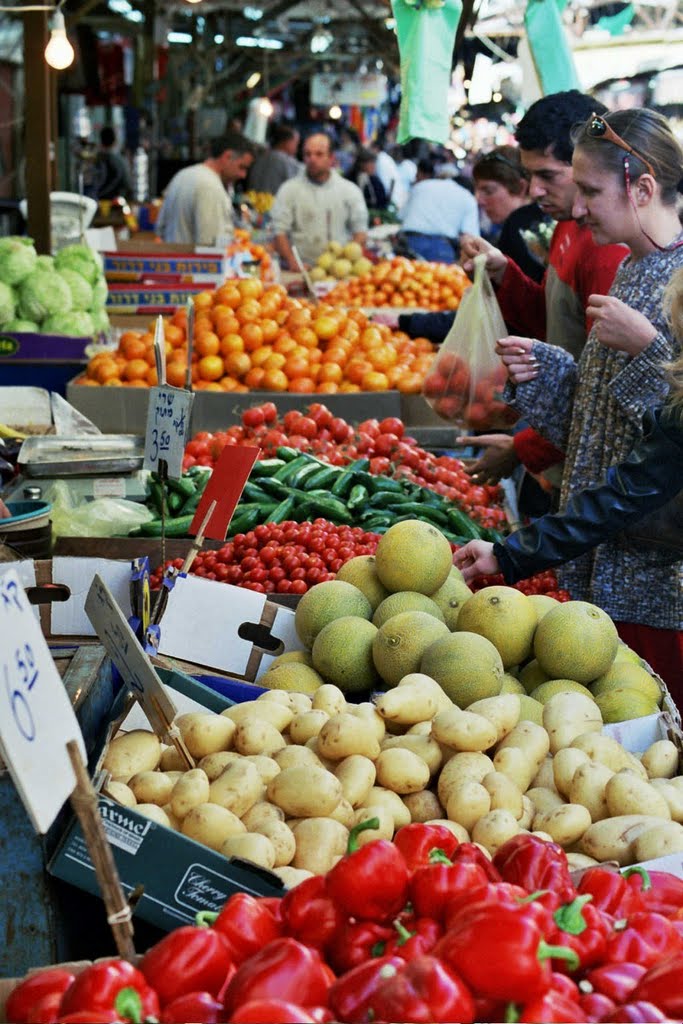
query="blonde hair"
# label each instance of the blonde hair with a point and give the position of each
(673, 305)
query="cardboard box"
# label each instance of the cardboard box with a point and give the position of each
(153, 298)
(131, 265)
(53, 348)
(180, 876)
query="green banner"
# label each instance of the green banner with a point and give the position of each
(549, 48)
(426, 36)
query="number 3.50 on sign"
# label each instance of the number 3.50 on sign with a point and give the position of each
(36, 718)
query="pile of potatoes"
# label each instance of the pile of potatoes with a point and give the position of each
(281, 780)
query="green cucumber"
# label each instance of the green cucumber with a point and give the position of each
(185, 487)
(286, 473)
(274, 488)
(324, 478)
(383, 499)
(266, 467)
(300, 478)
(282, 511)
(329, 508)
(177, 527)
(286, 453)
(386, 483)
(358, 497)
(252, 492)
(461, 524)
(419, 511)
(175, 502)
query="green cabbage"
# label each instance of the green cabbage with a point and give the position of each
(100, 291)
(21, 327)
(81, 291)
(17, 260)
(7, 304)
(77, 324)
(9, 240)
(42, 294)
(100, 319)
(45, 263)
(81, 258)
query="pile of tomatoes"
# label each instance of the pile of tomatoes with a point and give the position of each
(404, 283)
(385, 443)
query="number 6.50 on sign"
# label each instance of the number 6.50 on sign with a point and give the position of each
(36, 718)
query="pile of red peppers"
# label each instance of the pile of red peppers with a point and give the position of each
(421, 929)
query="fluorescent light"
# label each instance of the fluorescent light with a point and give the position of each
(253, 13)
(179, 37)
(262, 42)
(254, 79)
(120, 6)
(219, 39)
(335, 112)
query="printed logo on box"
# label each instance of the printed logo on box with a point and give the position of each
(8, 346)
(122, 831)
(197, 889)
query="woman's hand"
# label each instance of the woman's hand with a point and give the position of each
(496, 261)
(498, 460)
(476, 559)
(618, 326)
(518, 356)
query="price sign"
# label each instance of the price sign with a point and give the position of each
(36, 718)
(168, 418)
(225, 486)
(120, 643)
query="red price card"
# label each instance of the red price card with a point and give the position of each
(225, 486)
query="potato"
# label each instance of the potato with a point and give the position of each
(215, 764)
(267, 767)
(460, 833)
(565, 824)
(256, 736)
(532, 739)
(502, 712)
(298, 702)
(544, 799)
(120, 792)
(320, 842)
(381, 797)
(329, 698)
(579, 861)
(132, 752)
(151, 788)
(514, 762)
(329, 763)
(275, 714)
(565, 763)
(155, 813)
(385, 829)
(568, 715)
(260, 813)
(614, 838)
(608, 752)
(291, 877)
(294, 756)
(459, 767)
(174, 776)
(528, 812)
(419, 729)
(172, 760)
(307, 724)
(677, 781)
(357, 775)
(673, 796)
(494, 829)
(423, 806)
(505, 795)
(415, 699)
(251, 846)
(545, 776)
(425, 747)
(467, 803)
(343, 813)
(175, 822)
(626, 793)
(210, 824)
(659, 841)
(402, 771)
(205, 733)
(189, 791)
(588, 788)
(347, 734)
(238, 788)
(660, 760)
(282, 838)
(305, 791)
(367, 712)
(463, 730)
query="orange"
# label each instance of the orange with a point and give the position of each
(301, 385)
(335, 355)
(346, 387)
(175, 374)
(328, 387)
(275, 361)
(330, 372)
(383, 357)
(152, 377)
(325, 327)
(236, 364)
(135, 369)
(137, 382)
(300, 317)
(250, 288)
(252, 335)
(179, 318)
(226, 323)
(132, 346)
(231, 343)
(296, 366)
(260, 355)
(212, 385)
(203, 300)
(211, 367)
(254, 378)
(356, 370)
(248, 310)
(228, 295)
(275, 380)
(174, 334)
(305, 336)
(105, 371)
(269, 329)
(208, 345)
(228, 383)
(374, 381)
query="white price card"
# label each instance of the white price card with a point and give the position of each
(168, 421)
(122, 646)
(36, 717)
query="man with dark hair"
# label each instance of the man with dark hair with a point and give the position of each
(317, 207)
(112, 174)
(197, 209)
(273, 166)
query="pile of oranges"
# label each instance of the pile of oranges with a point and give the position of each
(406, 284)
(243, 244)
(251, 337)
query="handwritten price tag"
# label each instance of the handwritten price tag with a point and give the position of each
(36, 718)
(168, 418)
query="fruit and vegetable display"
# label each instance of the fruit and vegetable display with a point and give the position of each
(64, 294)
(339, 262)
(424, 929)
(250, 336)
(404, 283)
(242, 245)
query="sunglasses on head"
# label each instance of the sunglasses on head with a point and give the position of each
(599, 129)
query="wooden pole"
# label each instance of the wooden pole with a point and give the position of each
(37, 129)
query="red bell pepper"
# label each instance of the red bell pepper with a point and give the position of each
(284, 969)
(350, 996)
(522, 957)
(663, 986)
(310, 915)
(413, 936)
(199, 1007)
(582, 928)
(540, 905)
(564, 985)
(92, 1017)
(111, 986)
(358, 941)
(271, 1011)
(664, 894)
(188, 959)
(645, 939)
(247, 924)
(432, 887)
(641, 1013)
(596, 1007)
(535, 864)
(551, 1007)
(370, 882)
(416, 842)
(612, 892)
(469, 853)
(614, 980)
(44, 986)
(427, 990)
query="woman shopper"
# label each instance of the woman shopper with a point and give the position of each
(627, 167)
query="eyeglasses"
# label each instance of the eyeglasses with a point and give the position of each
(599, 129)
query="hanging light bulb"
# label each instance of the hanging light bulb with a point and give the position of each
(59, 53)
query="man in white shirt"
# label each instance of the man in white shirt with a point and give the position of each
(197, 209)
(438, 211)
(317, 207)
